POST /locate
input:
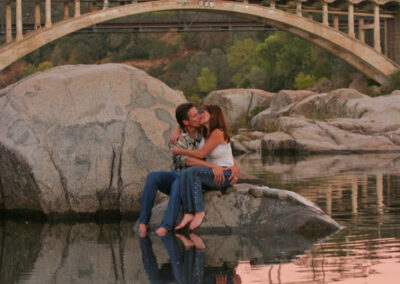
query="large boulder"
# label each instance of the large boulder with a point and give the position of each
(239, 104)
(82, 139)
(258, 209)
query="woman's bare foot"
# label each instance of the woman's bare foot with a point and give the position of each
(186, 242)
(197, 241)
(187, 218)
(161, 231)
(142, 230)
(197, 220)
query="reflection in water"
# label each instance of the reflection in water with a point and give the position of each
(361, 192)
(112, 253)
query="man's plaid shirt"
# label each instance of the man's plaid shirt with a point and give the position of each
(186, 142)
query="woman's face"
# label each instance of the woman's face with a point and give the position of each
(205, 117)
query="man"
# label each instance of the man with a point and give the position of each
(168, 181)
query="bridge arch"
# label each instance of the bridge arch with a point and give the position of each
(363, 57)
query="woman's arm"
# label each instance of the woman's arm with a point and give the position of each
(217, 170)
(216, 138)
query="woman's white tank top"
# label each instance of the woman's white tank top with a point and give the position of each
(221, 155)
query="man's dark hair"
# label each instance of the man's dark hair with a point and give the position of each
(181, 113)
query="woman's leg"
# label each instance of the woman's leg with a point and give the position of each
(197, 177)
(187, 203)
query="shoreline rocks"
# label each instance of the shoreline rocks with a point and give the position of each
(341, 121)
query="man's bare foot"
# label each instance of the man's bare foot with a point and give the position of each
(161, 231)
(142, 230)
(186, 242)
(187, 218)
(197, 241)
(197, 220)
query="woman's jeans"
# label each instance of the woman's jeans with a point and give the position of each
(191, 183)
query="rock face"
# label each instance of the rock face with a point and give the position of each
(343, 120)
(77, 139)
(238, 104)
(258, 209)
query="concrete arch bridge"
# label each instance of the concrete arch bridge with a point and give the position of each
(318, 21)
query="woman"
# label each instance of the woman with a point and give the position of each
(216, 148)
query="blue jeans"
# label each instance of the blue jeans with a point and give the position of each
(168, 183)
(190, 183)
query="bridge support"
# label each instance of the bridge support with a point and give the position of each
(336, 22)
(394, 39)
(66, 10)
(298, 8)
(351, 20)
(361, 31)
(37, 16)
(377, 30)
(9, 37)
(47, 13)
(325, 20)
(18, 16)
(77, 8)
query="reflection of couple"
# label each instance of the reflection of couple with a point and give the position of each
(188, 268)
(202, 136)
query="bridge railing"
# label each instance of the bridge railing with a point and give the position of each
(346, 16)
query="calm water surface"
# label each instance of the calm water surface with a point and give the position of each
(361, 192)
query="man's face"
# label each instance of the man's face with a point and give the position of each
(194, 118)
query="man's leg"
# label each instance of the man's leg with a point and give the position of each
(156, 180)
(171, 214)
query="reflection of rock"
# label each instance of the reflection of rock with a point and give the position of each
(20, 247)
(343, 120)
(306, 167)
(110, 253)
(259, 249)
(77, 139)
(261, 210)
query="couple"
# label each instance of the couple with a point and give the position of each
(202, 135)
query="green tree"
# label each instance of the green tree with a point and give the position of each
(207, 81)
(220, 67)
(193, 69)
(242, 56)
(303, 81)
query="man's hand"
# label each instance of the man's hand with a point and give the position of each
(234, 177)
(175, 136)
(218, 175)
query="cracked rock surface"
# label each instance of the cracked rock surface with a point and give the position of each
(82, 139)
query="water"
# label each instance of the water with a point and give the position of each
(361, 192)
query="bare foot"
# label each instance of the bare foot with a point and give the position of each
(161, 231)
(187, 218)
(197, 220)
(197, 241)
(142, 230)
(186, 242)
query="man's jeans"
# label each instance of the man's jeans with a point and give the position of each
(168, 183)
(191, 189)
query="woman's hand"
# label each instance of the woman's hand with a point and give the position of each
(176, 150)
(218, 175)
(234, 177)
